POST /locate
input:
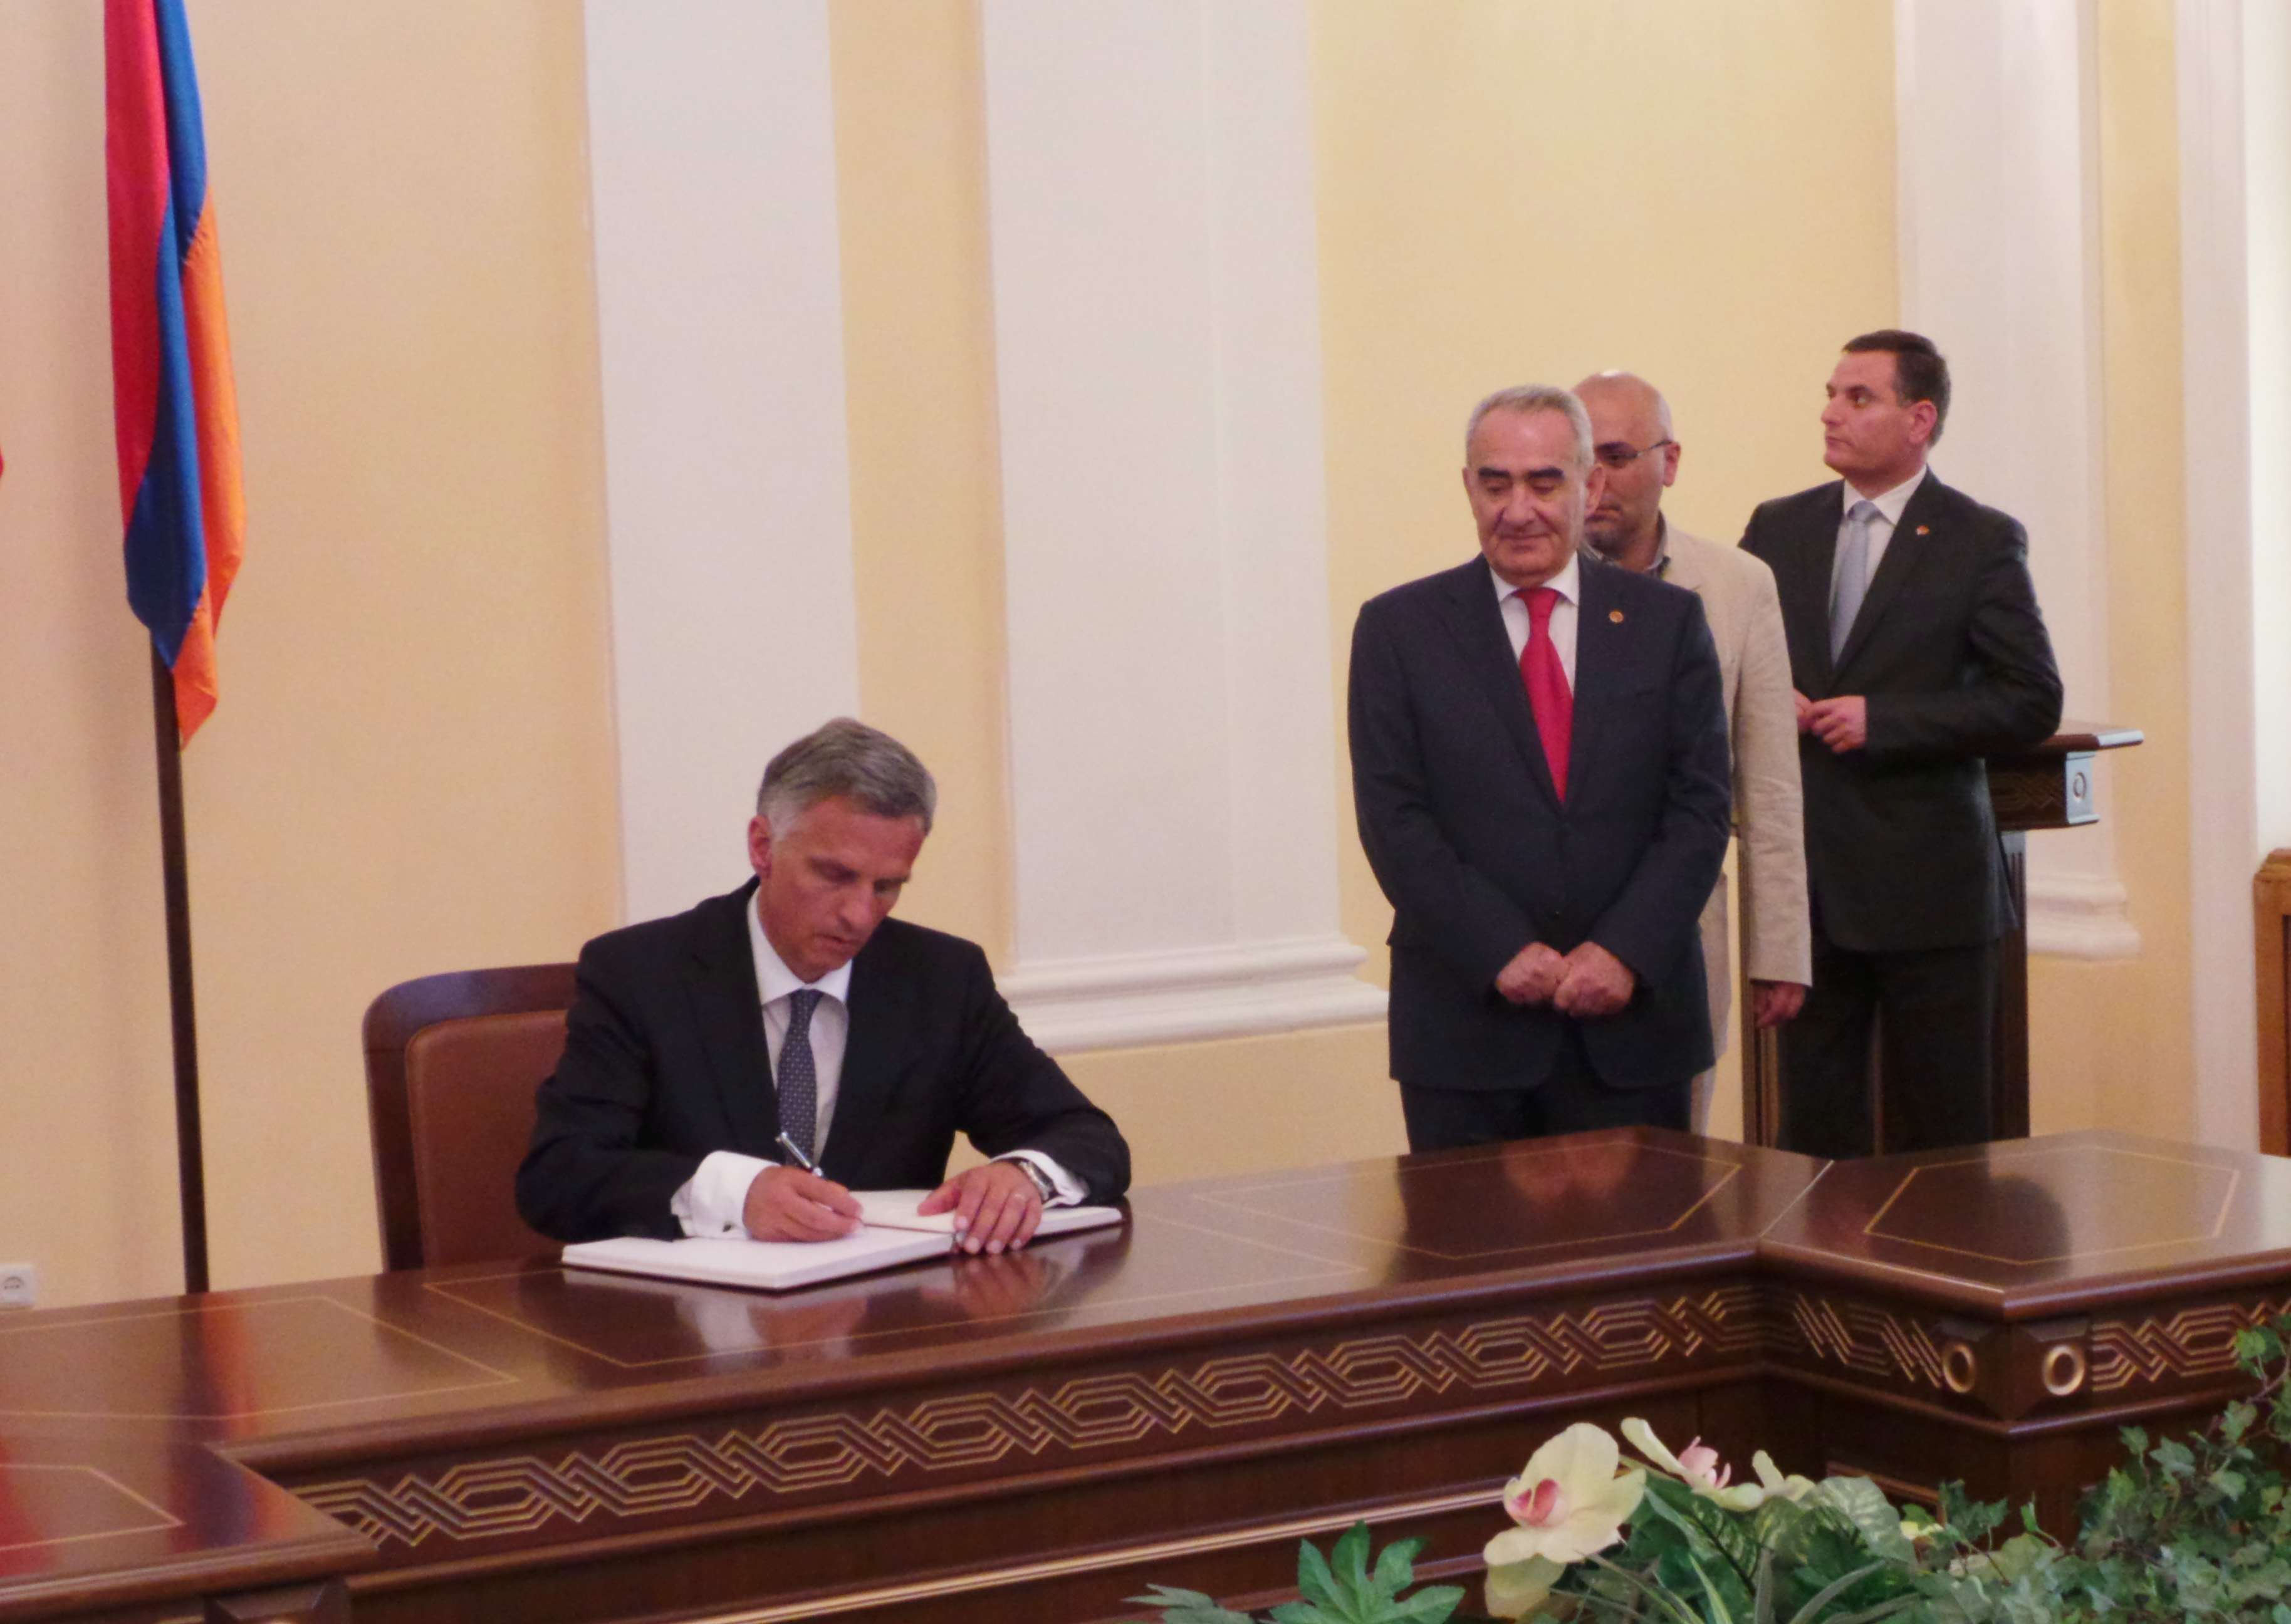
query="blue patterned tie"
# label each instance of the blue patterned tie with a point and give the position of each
(798, 1082)
(1851, 579)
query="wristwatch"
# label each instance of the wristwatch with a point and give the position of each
(1042, 1179)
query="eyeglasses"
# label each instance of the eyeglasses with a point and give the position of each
(1617, 454)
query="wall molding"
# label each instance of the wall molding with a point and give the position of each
(1188, 995)
(2080, 916)
(727, 487)
(1174, 769)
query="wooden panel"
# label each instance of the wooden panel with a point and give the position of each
(2270, 909)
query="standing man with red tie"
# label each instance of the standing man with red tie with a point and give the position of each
(1540, 769)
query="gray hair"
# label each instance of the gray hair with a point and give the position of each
(1525, 398)
(866, 767)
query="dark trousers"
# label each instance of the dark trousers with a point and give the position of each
(1933, 1010)
(1571, 1100)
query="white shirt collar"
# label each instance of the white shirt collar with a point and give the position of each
(1568, 583)
(773, 979)
(1889, 503)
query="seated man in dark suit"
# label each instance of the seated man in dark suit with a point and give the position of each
(710, 1057)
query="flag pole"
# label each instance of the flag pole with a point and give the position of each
(189, 1154)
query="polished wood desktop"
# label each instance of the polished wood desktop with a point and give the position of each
(1036, 1436)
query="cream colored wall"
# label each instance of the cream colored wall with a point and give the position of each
(412, 767)
(918, 355)
(2111, 1044)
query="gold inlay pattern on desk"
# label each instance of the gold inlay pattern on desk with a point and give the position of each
(1867, 1339)
(225, 1362)
(2018, 1207)
(522, 1494)
(1514, 1202)
(2193, 1343)
(77, 1503)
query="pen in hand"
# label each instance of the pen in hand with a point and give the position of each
(796, 1151)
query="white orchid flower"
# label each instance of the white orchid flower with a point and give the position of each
(1569, 1501)
(1515, 1590)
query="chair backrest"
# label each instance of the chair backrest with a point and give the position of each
(451, 1065)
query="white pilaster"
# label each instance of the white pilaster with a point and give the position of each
(2223, 819)
(720, 322)
(1172, 743)
(2000, 249)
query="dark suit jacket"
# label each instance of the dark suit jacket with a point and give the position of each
(665, 1061)
(1950, 652)
(1478, 856)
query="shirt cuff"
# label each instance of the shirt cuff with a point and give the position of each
(1070, 1189)
(712, 1202)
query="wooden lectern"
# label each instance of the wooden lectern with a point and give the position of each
(2048, 787)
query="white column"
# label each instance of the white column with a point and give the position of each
(2222, 807)
(1173, 758)
(1999, 251)
(720, 322)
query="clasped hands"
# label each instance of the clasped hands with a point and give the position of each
(1842, 723)
(996, 1207)
(1588, 983)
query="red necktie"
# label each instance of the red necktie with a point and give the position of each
(1547, 683)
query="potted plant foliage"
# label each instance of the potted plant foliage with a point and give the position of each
(2194, 1529)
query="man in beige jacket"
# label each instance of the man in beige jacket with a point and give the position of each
(1631, 437)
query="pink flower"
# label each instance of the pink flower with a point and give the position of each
(1698, 1464)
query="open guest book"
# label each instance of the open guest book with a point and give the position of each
(893, 1232)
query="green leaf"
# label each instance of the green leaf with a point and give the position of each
(1395, 1569)
(1314, 1577)
(1667, 1605)
(1430, 1606)
(1864, 1504)
(1189, 1607)
(1835, 1588)
(1348, 1562)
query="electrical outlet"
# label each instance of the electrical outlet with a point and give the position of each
(20, 1285)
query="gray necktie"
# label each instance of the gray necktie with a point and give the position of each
(799, 1082)
(1850, 578)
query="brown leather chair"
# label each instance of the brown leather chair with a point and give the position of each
(451, 1064)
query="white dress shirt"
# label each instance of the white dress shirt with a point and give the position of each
(1569, 584)
(713, 1201)
(1889, 506)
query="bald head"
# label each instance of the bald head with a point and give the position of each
(1631, 438)
(1626, 392)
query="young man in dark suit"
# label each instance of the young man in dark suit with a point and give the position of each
(1917, 649)
(1538, 752)
(710, 1058)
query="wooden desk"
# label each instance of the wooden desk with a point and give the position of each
(1036, 1437)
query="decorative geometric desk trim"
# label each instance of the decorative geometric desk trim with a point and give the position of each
(2192, 1344)
(1871, 1341)
(522, 1495)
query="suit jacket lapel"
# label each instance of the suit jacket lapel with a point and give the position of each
(1598, 648)
(1485, 648)
(1904, 558)
(720, 976)
(1803, 581)
(881, 1012)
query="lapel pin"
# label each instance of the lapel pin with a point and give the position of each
(1616, 616)
(1925, 529)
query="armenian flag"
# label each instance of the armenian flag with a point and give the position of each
(172, 401)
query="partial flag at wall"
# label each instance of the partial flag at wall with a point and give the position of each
(175, 410)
